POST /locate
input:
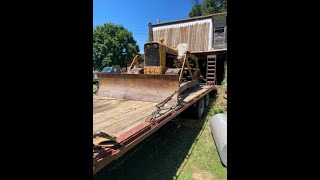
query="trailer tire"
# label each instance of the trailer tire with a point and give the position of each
(207, 100)
(95, 164)
(200, 107)
(213, 94)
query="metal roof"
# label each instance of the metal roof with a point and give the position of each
(189, 19)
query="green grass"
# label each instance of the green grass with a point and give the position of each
(204, 161)
(181, 149)
(95, 88)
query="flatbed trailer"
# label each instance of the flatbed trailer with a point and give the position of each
(128, 121)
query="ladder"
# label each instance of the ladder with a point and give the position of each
(211, 69)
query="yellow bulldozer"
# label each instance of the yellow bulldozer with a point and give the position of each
(163, 72)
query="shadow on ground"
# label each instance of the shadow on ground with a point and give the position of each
(160, 155)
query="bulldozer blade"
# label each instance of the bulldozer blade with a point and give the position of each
(140, 87)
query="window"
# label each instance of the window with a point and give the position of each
(219, 33)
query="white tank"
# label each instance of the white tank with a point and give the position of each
(218, 124)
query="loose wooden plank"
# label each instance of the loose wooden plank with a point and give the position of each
(192, 93)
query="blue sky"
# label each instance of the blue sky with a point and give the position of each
(135, 15)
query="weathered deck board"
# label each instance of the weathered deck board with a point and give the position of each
(189, 96)
(116, 116)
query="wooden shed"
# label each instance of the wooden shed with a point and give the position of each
(206, 37)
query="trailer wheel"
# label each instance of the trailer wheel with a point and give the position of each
(213, 94)
(94, 165)
(207, 100)
(200, 108)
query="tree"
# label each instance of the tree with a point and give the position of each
(223, 6)
(196, 9)
(207, 7)
(112, 45)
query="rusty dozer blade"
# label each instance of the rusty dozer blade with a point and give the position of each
(140, 87)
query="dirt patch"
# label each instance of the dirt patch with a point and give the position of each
(221, 97)
(202, 175)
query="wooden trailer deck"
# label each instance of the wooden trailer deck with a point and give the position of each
(126, 120)
(116, 116)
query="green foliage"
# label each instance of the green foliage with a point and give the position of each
(223, 6)
(216, 110)
(208, 7)
(196, 9)
(95, 88)
(112, 45)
